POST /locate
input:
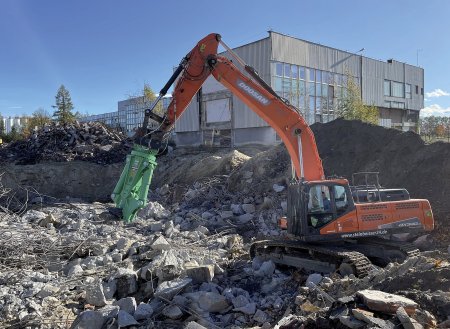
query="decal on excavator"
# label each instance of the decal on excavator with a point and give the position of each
(252, 92)
(364, 234)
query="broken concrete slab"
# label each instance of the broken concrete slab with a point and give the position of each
(125, 319)
(109, 311)
(388, 303)
(168, 289)
(161, 244)
(213, 302)
(127, 304)
(368, 317)
(88, 320)
(351, 322)
(95, 295)
(172, 312)
(407, 322)
(200, 274)
(143, 311)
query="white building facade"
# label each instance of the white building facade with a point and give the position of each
(9, 122)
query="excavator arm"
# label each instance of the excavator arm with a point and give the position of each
(130, 193)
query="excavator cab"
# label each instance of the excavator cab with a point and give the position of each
(312, 205)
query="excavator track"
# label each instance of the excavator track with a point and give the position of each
(312, 257)
(387, 250)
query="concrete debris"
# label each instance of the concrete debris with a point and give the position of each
(168, 289)
(351, 322)
(387, 303)
(88, 320)
(200, 274)
(315, 278)
(212, 302)
(127, 304)
(125, 319)
(172, 312)
(95, 295)
(160, 244)
(407, 322)
(143, 311)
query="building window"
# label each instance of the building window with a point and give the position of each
(302, 73)
(287, 70)
(421, 91)
(279, 69)
(318, 76)
(407, 90)
(417, 89)
(294, 71)
(311, 74)
(397, 89)
(398, 105)
(312, 88)
(325, 77)
(387, 88)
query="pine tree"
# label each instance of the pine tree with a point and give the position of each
(64, 106)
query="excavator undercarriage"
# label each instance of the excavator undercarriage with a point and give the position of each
(345, 257)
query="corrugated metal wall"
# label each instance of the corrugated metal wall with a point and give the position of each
(295, 51)
(374, 74)
(256, 54)
(189, 120)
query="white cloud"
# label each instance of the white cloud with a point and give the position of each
(435, 110)
(437, 93)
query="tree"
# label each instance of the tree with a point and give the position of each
(351, 106)
(39, 119)
(2, 126)
(14, 135)
(64, 106)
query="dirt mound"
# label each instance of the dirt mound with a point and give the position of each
(93, 142)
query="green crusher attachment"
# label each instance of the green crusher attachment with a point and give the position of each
(130, 193)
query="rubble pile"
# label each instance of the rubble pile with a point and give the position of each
(186, 264)
(92, 141)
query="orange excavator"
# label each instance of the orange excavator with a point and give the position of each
(331, 225)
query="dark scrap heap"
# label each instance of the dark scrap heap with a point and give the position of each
(93, 142)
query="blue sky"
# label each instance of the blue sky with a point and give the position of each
(105, 50)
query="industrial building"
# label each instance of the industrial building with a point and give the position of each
(111, 119)
(10, 122)
(312, 77)
(129, 115)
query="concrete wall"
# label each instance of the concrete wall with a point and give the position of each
(77, 179)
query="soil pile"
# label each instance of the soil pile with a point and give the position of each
(93, 142)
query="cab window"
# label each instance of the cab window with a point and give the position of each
(320, 211)
(340, 197)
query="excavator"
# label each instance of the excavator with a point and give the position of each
(331, 225)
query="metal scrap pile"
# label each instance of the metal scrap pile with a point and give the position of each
(93, 142)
